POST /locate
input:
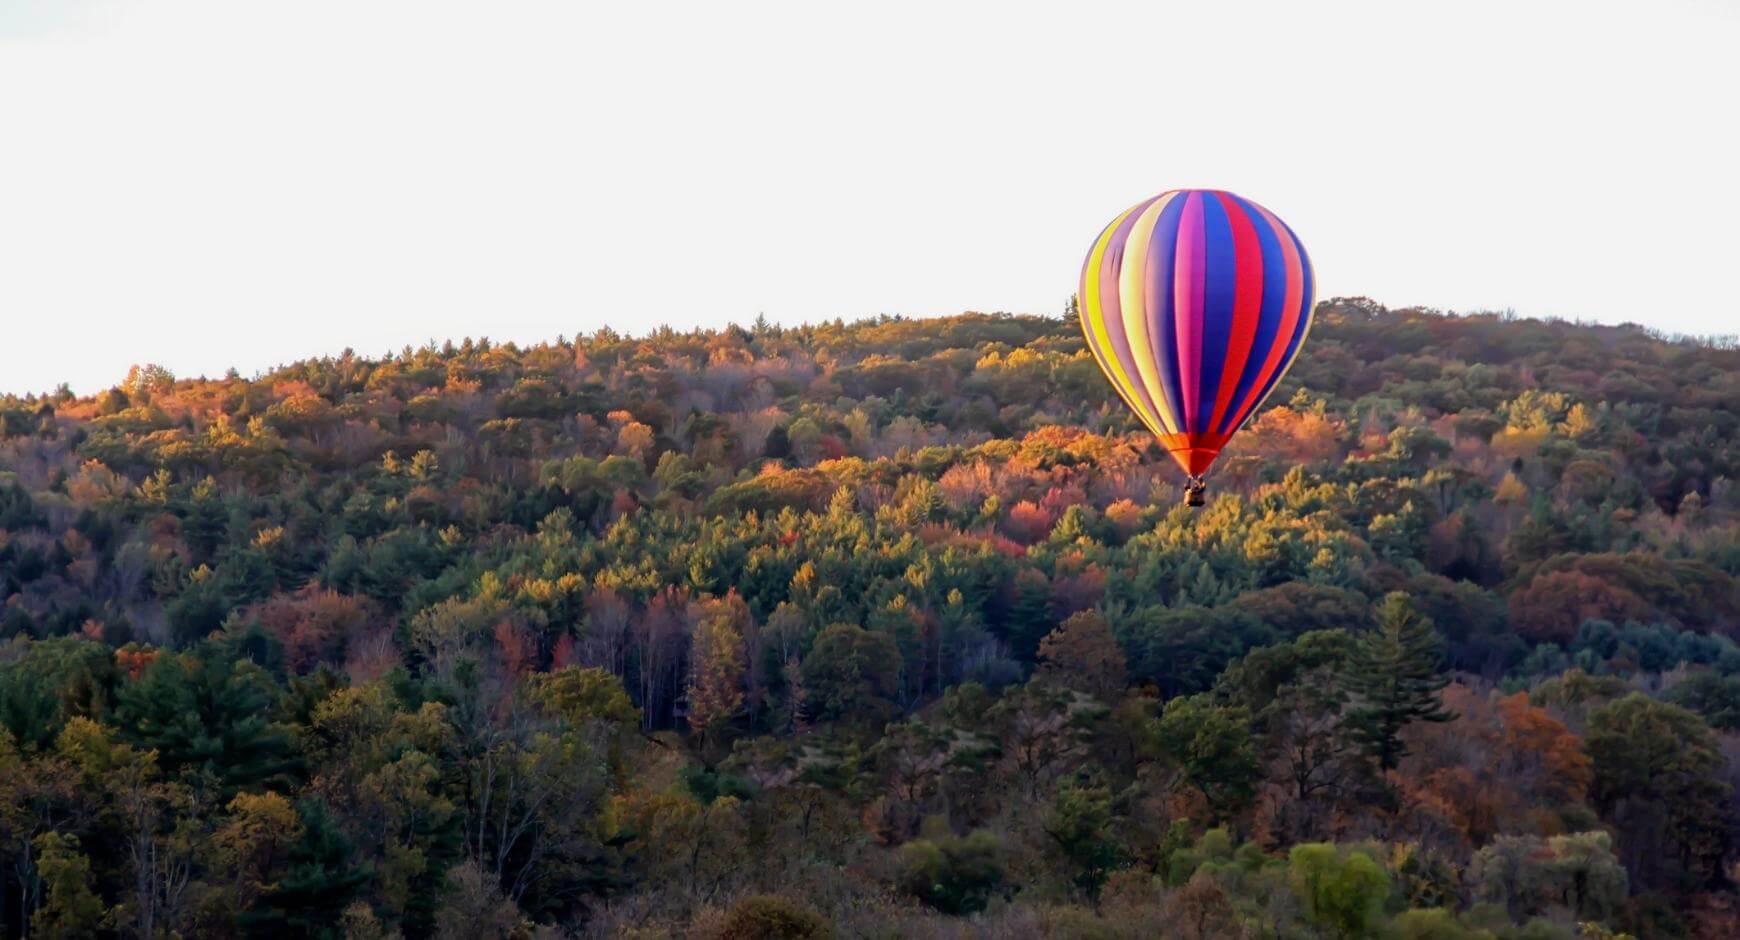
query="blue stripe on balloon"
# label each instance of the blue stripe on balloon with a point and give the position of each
(1220, 289)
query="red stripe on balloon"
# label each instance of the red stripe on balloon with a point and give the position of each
(1247, 305)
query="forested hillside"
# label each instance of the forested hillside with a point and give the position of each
(891, 628)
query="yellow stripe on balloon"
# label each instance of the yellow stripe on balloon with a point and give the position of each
(1132, 279)
(1094, 326)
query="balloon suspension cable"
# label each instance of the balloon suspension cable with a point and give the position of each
(1194, 488)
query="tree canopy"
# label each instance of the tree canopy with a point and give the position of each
(889, 627)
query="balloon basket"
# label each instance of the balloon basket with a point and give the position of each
(1195, 490)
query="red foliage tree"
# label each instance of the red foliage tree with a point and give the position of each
(316, 625)
(1555, 604)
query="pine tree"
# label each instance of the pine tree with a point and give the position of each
(1394, 678)
(323, 873)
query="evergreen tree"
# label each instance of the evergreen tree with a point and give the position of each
(1028, 618)
(322, 876)
(778, 444)
(209, 719)
(1394, 678)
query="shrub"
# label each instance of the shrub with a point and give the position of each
(773, 917)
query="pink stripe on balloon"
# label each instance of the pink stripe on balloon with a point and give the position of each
(1189, 281)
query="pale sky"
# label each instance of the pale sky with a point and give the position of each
(237, 183)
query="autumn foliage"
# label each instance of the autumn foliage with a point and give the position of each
(883, 628)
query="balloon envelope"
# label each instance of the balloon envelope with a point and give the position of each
(1194, 303)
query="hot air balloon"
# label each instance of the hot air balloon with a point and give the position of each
(1194, 303)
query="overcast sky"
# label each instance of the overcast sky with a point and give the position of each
(237, 183)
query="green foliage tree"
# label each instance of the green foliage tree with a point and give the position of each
(320, 878)
(1343, 892)
(1530, 876)
(1393, 675)
(1713, 696)
(1079, 824)
(71, 907)
(210, 720)
(852, 673)
(954, 874)
(1658, 777)
(50, 682)
(1214, 750)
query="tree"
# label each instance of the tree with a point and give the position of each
(660, 637)
(1714, 696)
(773, 917)
(1658, 778)
(1214, 750)
(1306, 732)
(917, 761)
(315, 625)
(852, 673)
(1393, 675)
(321, 875)
(954, 874)
(1045, 731)
(252, 844)
(52, 681)
(1082, 654)
(70, 907)
(160, 852)
(1200, 910)
(777, 445)
(144, 380)
(1079, 823)
(1433, 923)
(209, 719)
(587, 698)
(1530, 875)
(716, 669)
(1501, 767)
(473, 906)
(530, 789)
(1343, 892)
(1183, 649)
(1553, 605)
